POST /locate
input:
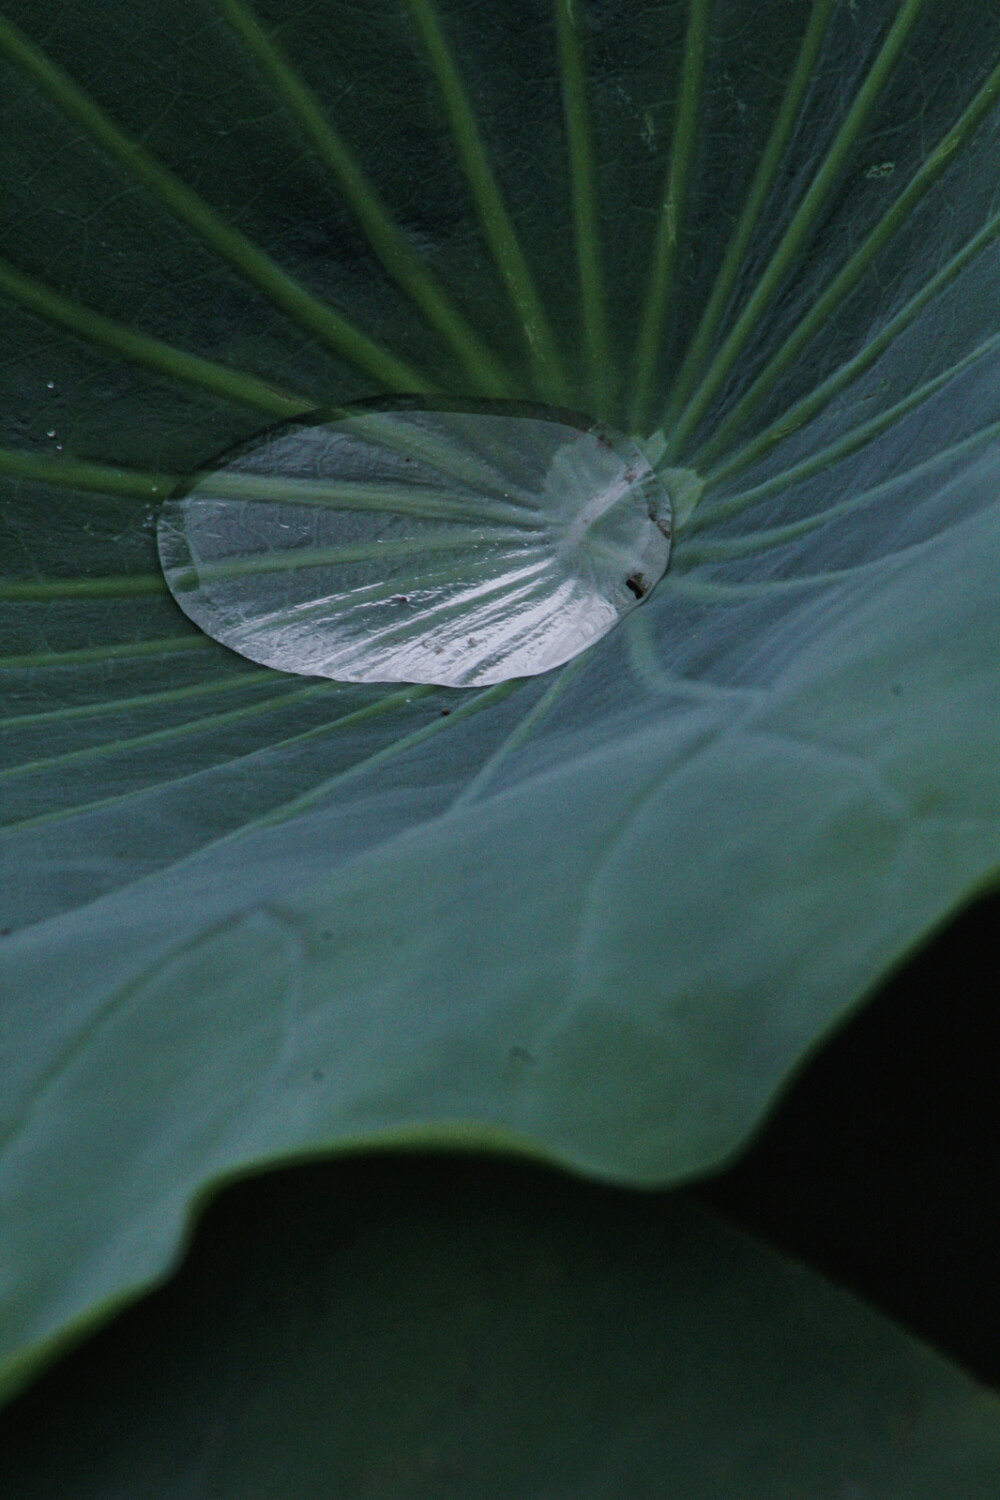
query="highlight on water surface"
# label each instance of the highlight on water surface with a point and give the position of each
(419, 544)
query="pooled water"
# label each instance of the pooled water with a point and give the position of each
(415, 545)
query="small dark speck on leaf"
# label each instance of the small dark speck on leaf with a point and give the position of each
(637, 585)
(520, 1054)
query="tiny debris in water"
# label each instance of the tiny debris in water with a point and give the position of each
(514, 540)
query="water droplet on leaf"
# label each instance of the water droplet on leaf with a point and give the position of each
(415, 545)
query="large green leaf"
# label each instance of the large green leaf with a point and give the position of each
(401, 1332)
(597, 916)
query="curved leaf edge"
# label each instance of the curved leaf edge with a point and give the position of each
(462, 1137)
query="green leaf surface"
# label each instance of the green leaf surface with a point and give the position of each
(407, 1331)
(371, 560)
(598, 916)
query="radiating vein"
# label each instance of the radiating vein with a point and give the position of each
(58, 1064)
(809, 406)
(660, 288)
(434, 447)
(840, 288)
(729, 547)
(714, 591)
(137, 701)
(420, 500)
(784, 125)
(521, 732)
(286, 810)
(849, 442)
(384, 235)
(99, 804)
(586, 210)
(151, 353)
(295, 558)
(78, 474)
(308, 799)
(504, 597)
(654, 677)
(719, 590)
(246, 258)
(123, 651)
(801, 228)
(493, 215)
(121, 586)
(382, 591)
(207, 724)
(298, 615)
(276, 815)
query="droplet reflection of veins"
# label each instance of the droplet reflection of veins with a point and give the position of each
(419, 545)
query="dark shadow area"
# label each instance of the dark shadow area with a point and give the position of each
(420, 1327)
(878, 1169)
(881, 1165)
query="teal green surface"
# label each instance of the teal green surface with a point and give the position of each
(598, 918)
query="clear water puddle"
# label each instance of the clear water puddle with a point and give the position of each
(414, 545)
